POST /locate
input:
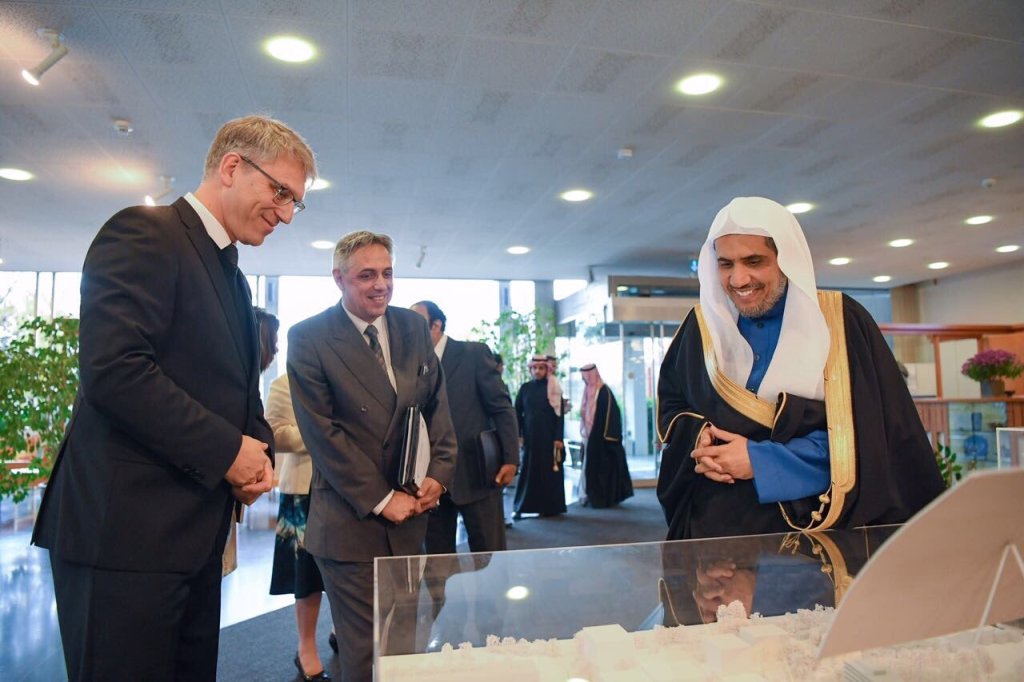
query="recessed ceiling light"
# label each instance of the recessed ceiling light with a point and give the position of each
(516, 593)
(318, 184)
(900, 243)
(938, 265)
(290, 49)
(1001, 118)
(575, 195)
(979, 220)
(15, 174)
(842, 260)
(881, 279)
(800, 207)
(699, 84)
(322, 244)
(1008, 248)
(518, 250)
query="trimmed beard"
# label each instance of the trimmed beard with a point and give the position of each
(770, 300)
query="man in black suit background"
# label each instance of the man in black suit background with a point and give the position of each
(479, 401)
(167, 433)
(354, 370)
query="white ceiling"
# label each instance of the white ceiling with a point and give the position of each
(454, 124)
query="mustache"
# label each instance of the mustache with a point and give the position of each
(749, 287)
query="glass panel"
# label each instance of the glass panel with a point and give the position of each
(628, 355)
(17, 299)
(522, 297)
(475, 601)
(67, 298)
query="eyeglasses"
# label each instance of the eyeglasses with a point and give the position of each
(282, 195)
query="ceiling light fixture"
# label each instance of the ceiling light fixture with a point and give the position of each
(1001, 119)
(900, 243)
(576, 195)
(800, 207)
(322, 244)
(517, 593)
(938, 265)
(881, 279)
(518, 250)
(165, 183)
(842, 260)
(979, 220)
(1008, 248)
(16, 174)
(318, 185)
(699, 84)
(290, 49)
(57, 51)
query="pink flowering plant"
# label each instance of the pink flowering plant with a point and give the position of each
(990, 365)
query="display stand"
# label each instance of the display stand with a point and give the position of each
(945, 571)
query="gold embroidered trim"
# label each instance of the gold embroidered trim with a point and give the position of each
(839, 414)
(833, 563)
(657, 402)
(778, 412)
(672, 424)
(738, 397)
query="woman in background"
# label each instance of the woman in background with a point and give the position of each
(294, 571)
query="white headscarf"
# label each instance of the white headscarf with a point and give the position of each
(799, 361)
(553, 385)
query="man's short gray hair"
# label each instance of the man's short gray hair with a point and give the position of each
(262, 139)
(353, 241)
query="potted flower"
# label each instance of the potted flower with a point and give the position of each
(991, 368)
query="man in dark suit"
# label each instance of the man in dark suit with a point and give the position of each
(479, 402)
(167, 433)
(354, 369)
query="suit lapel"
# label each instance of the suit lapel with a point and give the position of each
(354, 352)
(207, 251)
(454, 352)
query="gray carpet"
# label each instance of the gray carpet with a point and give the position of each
(262, 648)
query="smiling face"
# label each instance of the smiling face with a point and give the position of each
(366, 282)
(249, 211)
(748, 269)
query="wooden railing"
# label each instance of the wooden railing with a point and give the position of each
(935, 414)
(1004, 336)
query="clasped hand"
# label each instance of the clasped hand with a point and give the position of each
(251, 474)
(726, 462)
(402, 506)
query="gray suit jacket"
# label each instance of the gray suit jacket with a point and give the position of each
(479, 401)
(351, 421)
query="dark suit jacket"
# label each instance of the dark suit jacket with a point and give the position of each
(169, 383)
(351, 422)
(479, 401)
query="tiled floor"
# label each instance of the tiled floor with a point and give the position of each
(28, 615)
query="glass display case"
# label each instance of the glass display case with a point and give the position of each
(1010, 446)
(612, 612)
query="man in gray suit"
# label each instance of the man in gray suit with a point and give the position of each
(479, 402)
(354, 369)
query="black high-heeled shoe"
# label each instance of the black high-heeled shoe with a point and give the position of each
(319, 677)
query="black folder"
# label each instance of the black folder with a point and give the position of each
(410, 450)
(490, 457)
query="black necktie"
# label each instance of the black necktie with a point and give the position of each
(371, 333)
(239, 288)
(229, 258)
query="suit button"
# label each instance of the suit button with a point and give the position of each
(387, 444)
(362, 408)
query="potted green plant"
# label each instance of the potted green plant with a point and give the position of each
(991, 368)
(517, 337)
(38, 382)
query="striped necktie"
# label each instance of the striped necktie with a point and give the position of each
(371, 333)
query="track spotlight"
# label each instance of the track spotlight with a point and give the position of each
(57, 52)
(165, 181)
